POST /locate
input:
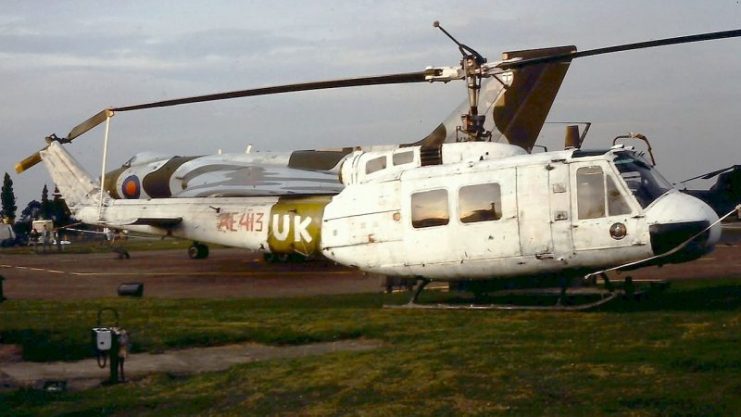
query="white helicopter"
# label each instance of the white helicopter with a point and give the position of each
(469, 203)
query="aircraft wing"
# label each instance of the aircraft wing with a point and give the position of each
(228, 175)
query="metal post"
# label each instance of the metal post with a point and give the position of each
(2, 297)
(109, 114)
(113, 358)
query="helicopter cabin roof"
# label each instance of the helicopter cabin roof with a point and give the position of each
(380, 166)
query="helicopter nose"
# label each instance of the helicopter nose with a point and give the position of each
(676, 217)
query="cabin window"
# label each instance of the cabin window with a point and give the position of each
(480, 203)
(616, 204)
(590, 192)
(402, 158)
(375, 164)
(430, 208)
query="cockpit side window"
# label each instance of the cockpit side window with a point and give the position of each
(642, 179)
(616, 204)
(401, 158)
(590, 192)
(375, 164)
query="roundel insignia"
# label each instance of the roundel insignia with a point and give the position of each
(618, 231)
(131, 188)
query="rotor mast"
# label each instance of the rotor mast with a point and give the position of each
(471, 64)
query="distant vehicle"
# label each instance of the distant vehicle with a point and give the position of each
(42, 232)
(7, 235)
(38, 226)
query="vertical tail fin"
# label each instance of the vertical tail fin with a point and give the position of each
(520, 112)
(76, 185)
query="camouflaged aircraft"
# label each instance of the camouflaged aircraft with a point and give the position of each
(469, 202)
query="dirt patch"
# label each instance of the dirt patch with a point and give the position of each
(86, 374)
(723, 262)
(10, 353)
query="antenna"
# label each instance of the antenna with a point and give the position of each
(465, 49)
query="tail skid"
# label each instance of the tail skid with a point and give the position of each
(76, 185)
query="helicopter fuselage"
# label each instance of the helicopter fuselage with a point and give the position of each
(483, 211)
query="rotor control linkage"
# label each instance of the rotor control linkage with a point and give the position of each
(471, 66)
(54, 138)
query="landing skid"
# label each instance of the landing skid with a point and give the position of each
(628, 290)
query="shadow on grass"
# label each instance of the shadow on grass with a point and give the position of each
(697, 296)
(37, 345)
(703, 298)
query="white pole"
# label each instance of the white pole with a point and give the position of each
(109, 114)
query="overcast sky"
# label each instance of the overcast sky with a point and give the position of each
(61, 62)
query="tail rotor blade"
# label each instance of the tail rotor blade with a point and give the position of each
(90, 123)
(28, 162)
(78, 130)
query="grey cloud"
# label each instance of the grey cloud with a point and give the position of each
(60, 47)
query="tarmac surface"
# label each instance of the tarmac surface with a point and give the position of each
(226, 273)
(236, 273)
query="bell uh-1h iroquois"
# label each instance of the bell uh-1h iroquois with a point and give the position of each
(467, 203)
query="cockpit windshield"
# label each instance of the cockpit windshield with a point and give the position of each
(145, 157)
(644, 181)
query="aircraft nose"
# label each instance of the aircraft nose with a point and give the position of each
(676, 217)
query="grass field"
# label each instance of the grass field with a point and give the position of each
(675, 354)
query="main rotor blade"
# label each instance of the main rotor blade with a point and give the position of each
(709, 175)
(410, 77)
(100, 117)
(619, 48)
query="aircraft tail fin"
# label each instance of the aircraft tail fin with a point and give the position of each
(77, 186)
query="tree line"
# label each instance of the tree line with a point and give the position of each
(48, 209)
